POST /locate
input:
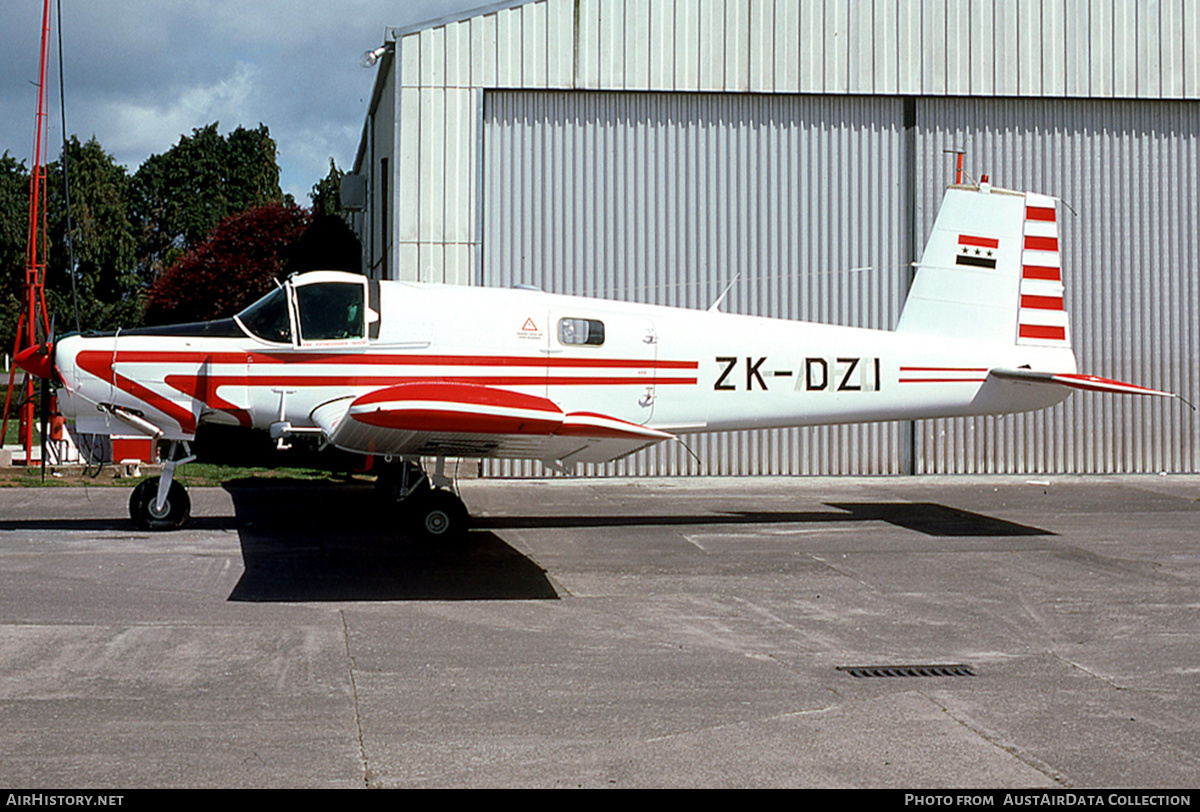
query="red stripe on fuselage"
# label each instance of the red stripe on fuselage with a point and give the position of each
(943, 369)
(204, 389)
(99, 363)
(479, 380)
(942, 380)
(353, 359)
(202, 386)
(926, 371)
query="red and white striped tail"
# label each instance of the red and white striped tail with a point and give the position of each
(1041, 318)
(991, 271)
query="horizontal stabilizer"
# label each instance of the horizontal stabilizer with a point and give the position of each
(1088, 383)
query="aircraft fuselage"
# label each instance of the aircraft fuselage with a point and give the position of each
(670, 369)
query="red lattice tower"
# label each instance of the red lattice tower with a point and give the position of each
(34, 310)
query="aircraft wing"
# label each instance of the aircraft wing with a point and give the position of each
(468, 420)
(1089, 383)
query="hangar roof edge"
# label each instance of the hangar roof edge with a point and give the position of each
(394, 32)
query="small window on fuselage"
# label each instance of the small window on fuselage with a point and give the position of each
(581, 331)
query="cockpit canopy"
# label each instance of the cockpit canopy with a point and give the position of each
(323, 305)
(330, 311)
(268, 318)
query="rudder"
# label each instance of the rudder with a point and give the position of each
(1042, 320)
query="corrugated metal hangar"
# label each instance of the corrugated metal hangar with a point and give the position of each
(661, 150)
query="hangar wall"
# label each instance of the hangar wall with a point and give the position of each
(1129, 174)
(799, 201)
(670, 198)
(494, 114)
(439, 72)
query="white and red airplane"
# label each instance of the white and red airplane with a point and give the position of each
(409, 371)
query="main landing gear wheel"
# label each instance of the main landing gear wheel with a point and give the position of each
(173, 514)
(437, 515)
(429, 510)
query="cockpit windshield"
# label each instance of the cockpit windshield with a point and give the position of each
(268, 318)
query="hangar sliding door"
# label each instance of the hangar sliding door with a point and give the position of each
(1129, 174)
(668, 198)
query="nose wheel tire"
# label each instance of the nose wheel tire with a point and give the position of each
(173, 514)
(438, 515)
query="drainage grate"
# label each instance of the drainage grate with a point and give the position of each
(951, 670)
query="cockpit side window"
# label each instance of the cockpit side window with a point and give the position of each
(330, 311)
(268, 318)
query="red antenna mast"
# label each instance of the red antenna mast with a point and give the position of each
(35, 263)
(958, 166)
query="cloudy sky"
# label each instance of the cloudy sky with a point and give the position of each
(140, 73)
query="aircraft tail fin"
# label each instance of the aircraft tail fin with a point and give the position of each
(991, 271)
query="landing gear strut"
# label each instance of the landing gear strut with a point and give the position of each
(430, 510)
(161, 503)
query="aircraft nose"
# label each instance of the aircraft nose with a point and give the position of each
(37, 360)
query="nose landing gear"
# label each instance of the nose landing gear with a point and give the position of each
(149, 514)
(161, 503)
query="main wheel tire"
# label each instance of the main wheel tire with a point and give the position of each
(438, 515)
(175, 511)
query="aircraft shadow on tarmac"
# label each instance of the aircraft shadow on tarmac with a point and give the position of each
(321, 542)
(924, 517)
(337, 543)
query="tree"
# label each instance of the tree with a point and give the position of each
(326, 193)
(183, 194)
(328, 244)
(102, 236)
(245, 257)
(239, 262)
(14, 214)
(14, 235)
(126, 231)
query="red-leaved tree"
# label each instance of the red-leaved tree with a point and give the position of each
(244, 257)
(239, 262)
